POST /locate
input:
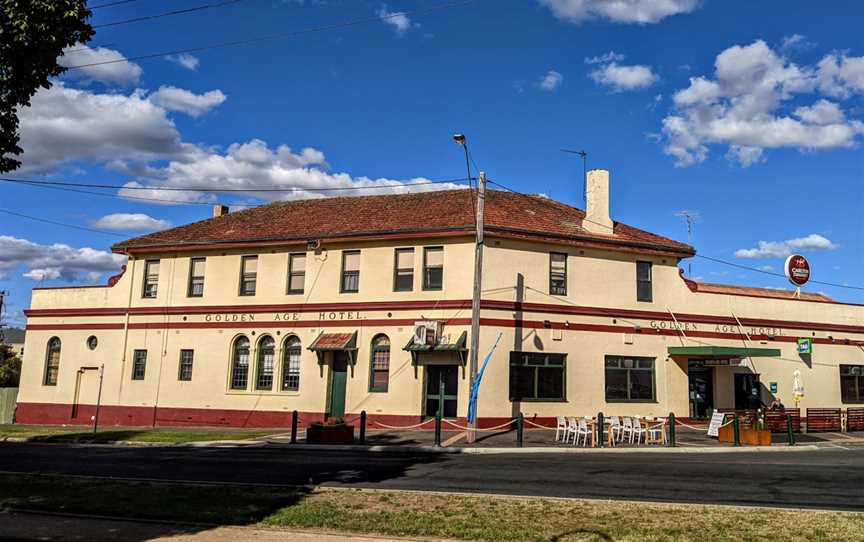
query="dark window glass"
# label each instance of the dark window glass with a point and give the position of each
(643, 282)
(350, 282)
(403, 272)
(266, 361)
(852, 383)
(296, 273)
(196, 277)
(151, 278)
(139, 364)
(240, 364)
(433, 268)
(248, 274)
(537, 376)
(291, 365)
(52, 362)
(557, 273)
(629, 379)
(380, 364)
(185, 371)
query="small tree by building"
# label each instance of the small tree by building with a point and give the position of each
(10, 367)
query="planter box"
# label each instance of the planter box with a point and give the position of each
(749, 437)
(330, 434)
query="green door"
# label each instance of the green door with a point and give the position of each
(338, 379)
(438, 378)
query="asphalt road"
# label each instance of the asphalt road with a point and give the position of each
(826, 479)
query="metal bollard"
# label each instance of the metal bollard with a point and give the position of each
(438, 429)
(789, 430)
(294, 427)
(736, 430)
(672, 429)
(520, 430)
(363, 427)
(599, 429)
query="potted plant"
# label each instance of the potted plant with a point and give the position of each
(333, 431)
(757, 434)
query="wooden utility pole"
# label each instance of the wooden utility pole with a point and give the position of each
(475, 300)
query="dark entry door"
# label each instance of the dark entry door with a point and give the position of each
(701, 390)
(438, 376)
(338, 380)
(747, 392)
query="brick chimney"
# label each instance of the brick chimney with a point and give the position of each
(597, 202)
(220, 210)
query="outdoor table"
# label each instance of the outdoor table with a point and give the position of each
(607, 433)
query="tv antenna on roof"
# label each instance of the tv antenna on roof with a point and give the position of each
(691, 217)
(584, 156)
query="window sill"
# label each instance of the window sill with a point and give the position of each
(378, 391)
(623, 401)
(562, 400)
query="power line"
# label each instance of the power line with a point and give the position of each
(117, 196)
(45, 220)
(282, 35)
(88, 48)
(168, 14)
(111, 4)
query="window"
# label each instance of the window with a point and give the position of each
(139, 364)
(151, 278)
(557, 273)
(266, 362)
(291, 364)
(629, 379)
(248, 274)
(433, 268)
(52, 362)
(537, 376)
(240, 364)
(185, 371)
(350, 271)
(196, 277)
(379, 376)
(296, 273)
(852, 383)
(403, 274)
(643, 281)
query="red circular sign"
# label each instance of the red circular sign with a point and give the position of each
(797, 269)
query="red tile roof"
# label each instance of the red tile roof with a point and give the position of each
(756, 292)
(418, 214)
(332, 341)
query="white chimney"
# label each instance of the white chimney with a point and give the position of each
(597, 202)
(220, 210)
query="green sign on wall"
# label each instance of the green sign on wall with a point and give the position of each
(805, 346)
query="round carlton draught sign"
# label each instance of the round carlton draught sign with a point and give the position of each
(797, 269)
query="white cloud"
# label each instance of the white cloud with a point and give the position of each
(57, 261)
(611, 56)
(746, 106)
(181, 100)
(398, 20)
(795, 42)
(185, 60)
(624, 78)
(116, 73)
(131, 222)
(551, 81)
(620, 11)
(782, 249)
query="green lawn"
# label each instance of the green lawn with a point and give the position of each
(426, 515)
(41, 433)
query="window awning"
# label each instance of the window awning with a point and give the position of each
(723, 352)
(328, 342)
(458, 347)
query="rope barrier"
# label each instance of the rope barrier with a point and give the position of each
(537, 425)
(701, 428)
(487, 429)
(399, 427)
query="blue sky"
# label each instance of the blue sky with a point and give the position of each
(749, 113)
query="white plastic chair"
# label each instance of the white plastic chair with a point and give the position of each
(627, 429)
(656, 433)
(560, 428)
(572, 428)
(615, 428)
(582, 430)
(638, 433)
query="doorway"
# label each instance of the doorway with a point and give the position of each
(338, 381)
(438, 378)
(747, 391)
(701, 380)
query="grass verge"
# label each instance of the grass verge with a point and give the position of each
(424, 515)
(38, 433)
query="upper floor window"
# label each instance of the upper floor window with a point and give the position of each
(196, 277)
(248, 274)
(266, 360)
(185, 370)
(139, 364)
(629, 379)
(557, 273)
(852, 383)
(291, 364)
(296, 273)
(350, 271)
(240, 364)
(151, 278)
(433, 268)
(52, 362)
(379, 376)
(403, 274)
(643, 281)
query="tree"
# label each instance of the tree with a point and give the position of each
(33, 34)
(10, 367)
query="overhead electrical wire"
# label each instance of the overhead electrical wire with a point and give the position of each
(111, 4)
(169, 13)
(45, 220)
(282, 35)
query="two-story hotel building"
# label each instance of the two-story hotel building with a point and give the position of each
(339, 305)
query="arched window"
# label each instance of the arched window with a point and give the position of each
(380, 364)
(266, 355)
(291, 364)
(240, 364)
(52, 362)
